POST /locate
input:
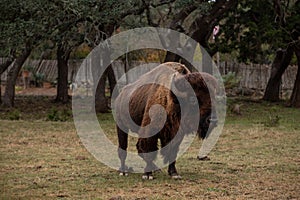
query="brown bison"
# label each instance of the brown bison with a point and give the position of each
(185, 102)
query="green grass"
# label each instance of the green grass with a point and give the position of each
(264, 113)
(253, 159)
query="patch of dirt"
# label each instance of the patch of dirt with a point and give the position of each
(37, 91)
(34, 91)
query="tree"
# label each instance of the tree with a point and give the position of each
(62, 56)
(202, 26)
(9, 95)
(103, 28)
(7, 63)
(90, 22)
(288, 20)
(262, 32)
(295, 98)
(22, 28)
(279, 65)
(67, 25)
(193, 18)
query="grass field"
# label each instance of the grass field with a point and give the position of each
(256, 157)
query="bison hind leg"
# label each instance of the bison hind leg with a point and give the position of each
(122, 151)
(125, 170)
(147, 149)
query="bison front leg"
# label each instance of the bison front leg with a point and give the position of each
(147, 149)
(169, 152)
(172, 171)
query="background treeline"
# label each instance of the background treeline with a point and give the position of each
(251, 31)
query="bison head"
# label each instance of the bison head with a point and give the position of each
(201, 102)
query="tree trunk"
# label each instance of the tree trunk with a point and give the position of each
(101, 105)
(111, 79)
(101, 101)
(9, 95)
(102, 62)
(281, 62)
(0, 92)
(62, 79)
(295, 98)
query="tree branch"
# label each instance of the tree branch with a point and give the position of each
(134, 11)
(148, 16)
(5, 65)
(203, 25)
(181, 16)
(161, 3)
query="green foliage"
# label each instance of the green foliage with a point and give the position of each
(145, 55)
(28, 68)
(253, 30)
(203, 7)
(230, 80)
(14, 114)
(81, 52)
(22, 22)
(57, 115)
(273, 118)
(18, 88)
(256, 29)
(39, 78)
(273, 121)
(68, 23)
(53, 115)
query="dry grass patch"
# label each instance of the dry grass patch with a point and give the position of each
(46, 160)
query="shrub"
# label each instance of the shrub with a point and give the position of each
(56, 115)
(39, 78)
(230, 80)
(53, 115)
(14, 114)
(273, 121)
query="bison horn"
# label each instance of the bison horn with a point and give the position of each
(175, 78)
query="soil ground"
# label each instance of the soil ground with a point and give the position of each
(33, 91)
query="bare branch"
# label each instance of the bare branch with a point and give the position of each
(5, 65)
(181, 16)
(148, 15)
(136, 10)
(161, 3)
(203, 25)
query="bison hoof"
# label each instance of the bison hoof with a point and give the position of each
(123, 174)
(157, 171)
(147, 177)
(203, 158)
(176, 177)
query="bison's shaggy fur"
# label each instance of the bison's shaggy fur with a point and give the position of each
(143, 97)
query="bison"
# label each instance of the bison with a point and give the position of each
(178, 109)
